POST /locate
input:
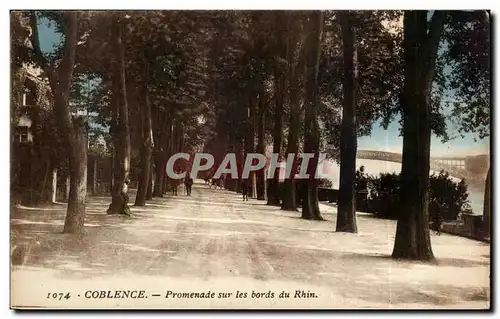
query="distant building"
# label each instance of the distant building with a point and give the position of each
(26, 103)
(32, 167)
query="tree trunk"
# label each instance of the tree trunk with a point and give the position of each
(149, 191)
(119, 203)
(54, 186)
(94, 176)
(487, 204)
(147, 146)
(289, 199)
(73, 129)
(250, 139)
(66, 188)
(310, 204)
(75, 216)
(254, 184)
(239, 161)
(346, 212)
(231, 183)
(42, 196)
(261, 145)
(160, 165)
(273, 196)
(111, 169)
(164, 183)
(115, 135)
(420, 50)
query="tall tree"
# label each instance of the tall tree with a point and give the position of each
(421, 40)
(280, 63)
(148, 143)
(346, 214)
(310, 205)
(467, 35)
(296, 61)
(122, 146)
(72, 128)
(261, 143)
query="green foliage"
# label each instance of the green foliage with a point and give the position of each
(383, 196)
(325, 183)
(461, 78)
(19, 33)
(210, 62)
(379, 71)
(447, 198)
(468, 39)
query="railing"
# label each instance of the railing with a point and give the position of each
(436, 164)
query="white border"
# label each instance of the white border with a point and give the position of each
(254, 4)
(213, 4)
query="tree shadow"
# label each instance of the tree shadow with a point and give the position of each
(146, 208)
(440, 262)
(461, 263)
(432, 295)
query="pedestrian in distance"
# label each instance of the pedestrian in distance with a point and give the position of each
(188, 182)
(175, 184)
(244, 189)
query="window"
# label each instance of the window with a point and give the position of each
(21, 135)
(29, 94)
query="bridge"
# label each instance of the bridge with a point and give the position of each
(471, 168)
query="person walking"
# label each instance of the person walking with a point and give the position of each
(188, 182)
(244, 189)
(437, 221)
(175, 184)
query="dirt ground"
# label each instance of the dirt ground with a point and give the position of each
(215, 242)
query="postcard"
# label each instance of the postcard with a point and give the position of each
(232, 159)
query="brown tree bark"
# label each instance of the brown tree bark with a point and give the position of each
(420, 50)
(273, 195)
(239, 161)
(289, 200)
(160, 166)
(66, 187)
(310, 204)
(148, 143)
(261, 145)
(78, 180)
(115, 137)
(53, 193)
(346, 212)
(94, 176)
(231, 184)
(250, 137)
(119, 196)
(164, 183)
(162, 129)
(168, 150)
(149, 191)
(111, 167)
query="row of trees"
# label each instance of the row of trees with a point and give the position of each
(236, 81)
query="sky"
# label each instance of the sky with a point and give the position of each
(389, 140)
(380, 139)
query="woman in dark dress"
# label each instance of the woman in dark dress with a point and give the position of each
(244, 189)
(188, 182)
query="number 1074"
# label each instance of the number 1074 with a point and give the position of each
(58, 295)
